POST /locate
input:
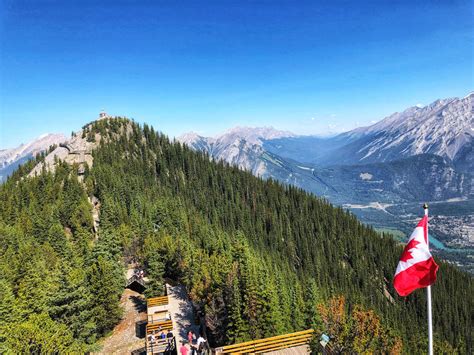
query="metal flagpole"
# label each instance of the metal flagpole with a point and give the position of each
(428, 295)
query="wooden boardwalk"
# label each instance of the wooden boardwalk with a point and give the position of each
(181, 310)
(280, 344)
(297, 350)
(175, 305)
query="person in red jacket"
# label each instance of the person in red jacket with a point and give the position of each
(183, 350)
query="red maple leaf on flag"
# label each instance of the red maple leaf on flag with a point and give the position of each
(417, 268)
(406, 252)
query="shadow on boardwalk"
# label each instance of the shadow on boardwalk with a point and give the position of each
(182, 313)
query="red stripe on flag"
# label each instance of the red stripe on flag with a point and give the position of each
(421, 274)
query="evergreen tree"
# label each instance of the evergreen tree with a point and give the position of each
(70, 305)
(41, 335)
(156, 268)
(105, 285)
(236, 328)
(256, 256)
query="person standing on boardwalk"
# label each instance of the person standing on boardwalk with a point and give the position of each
(183, 350)
(201, 344)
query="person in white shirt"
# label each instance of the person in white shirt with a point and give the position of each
(200, 340)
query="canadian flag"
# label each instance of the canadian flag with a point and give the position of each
(416, 268)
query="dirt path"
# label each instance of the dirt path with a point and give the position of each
(123, 339)
(181, 310)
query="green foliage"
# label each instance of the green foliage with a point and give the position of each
(257, 257)
(45, 252)
(8, 312)
(105, 281)
(70, 305)
(40, 335)
(156, 269)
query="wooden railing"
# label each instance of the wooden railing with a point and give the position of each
(161, 346)
(159, 315)
(269, 344)
(157, 301)
(159, 326)
(159, 321)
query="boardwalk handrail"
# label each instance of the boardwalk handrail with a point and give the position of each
(158, 326)
(160, 345)
(269, 344)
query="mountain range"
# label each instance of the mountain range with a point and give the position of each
(417, 155)
(240, 146)
(382, 173)
(256, 258)
(422, 153)
(10, 159)
(444, 128)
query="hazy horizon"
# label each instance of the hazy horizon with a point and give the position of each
(200, 132)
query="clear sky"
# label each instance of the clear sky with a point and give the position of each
(305, 66)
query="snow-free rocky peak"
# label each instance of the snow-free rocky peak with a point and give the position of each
(10, 159)
(43, 142)
(240, 146)
(444, 128)
(252, 135)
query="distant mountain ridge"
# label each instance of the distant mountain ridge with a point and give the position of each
(434, 141)
(10, 159)
(444, 128)
(240, 146)
(424, 177)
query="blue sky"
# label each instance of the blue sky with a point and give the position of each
(306, 66)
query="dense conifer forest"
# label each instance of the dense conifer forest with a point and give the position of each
(258, 258)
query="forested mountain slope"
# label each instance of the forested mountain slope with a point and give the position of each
(257, 257)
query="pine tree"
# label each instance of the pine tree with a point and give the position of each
(236, 328)
(8, 312)
(41, 335)
(70, 305)
(105, 285)
(312, 299)
(156, 268)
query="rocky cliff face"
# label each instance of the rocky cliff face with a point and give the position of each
(444, 128)
(76, 150)
(240, 146)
